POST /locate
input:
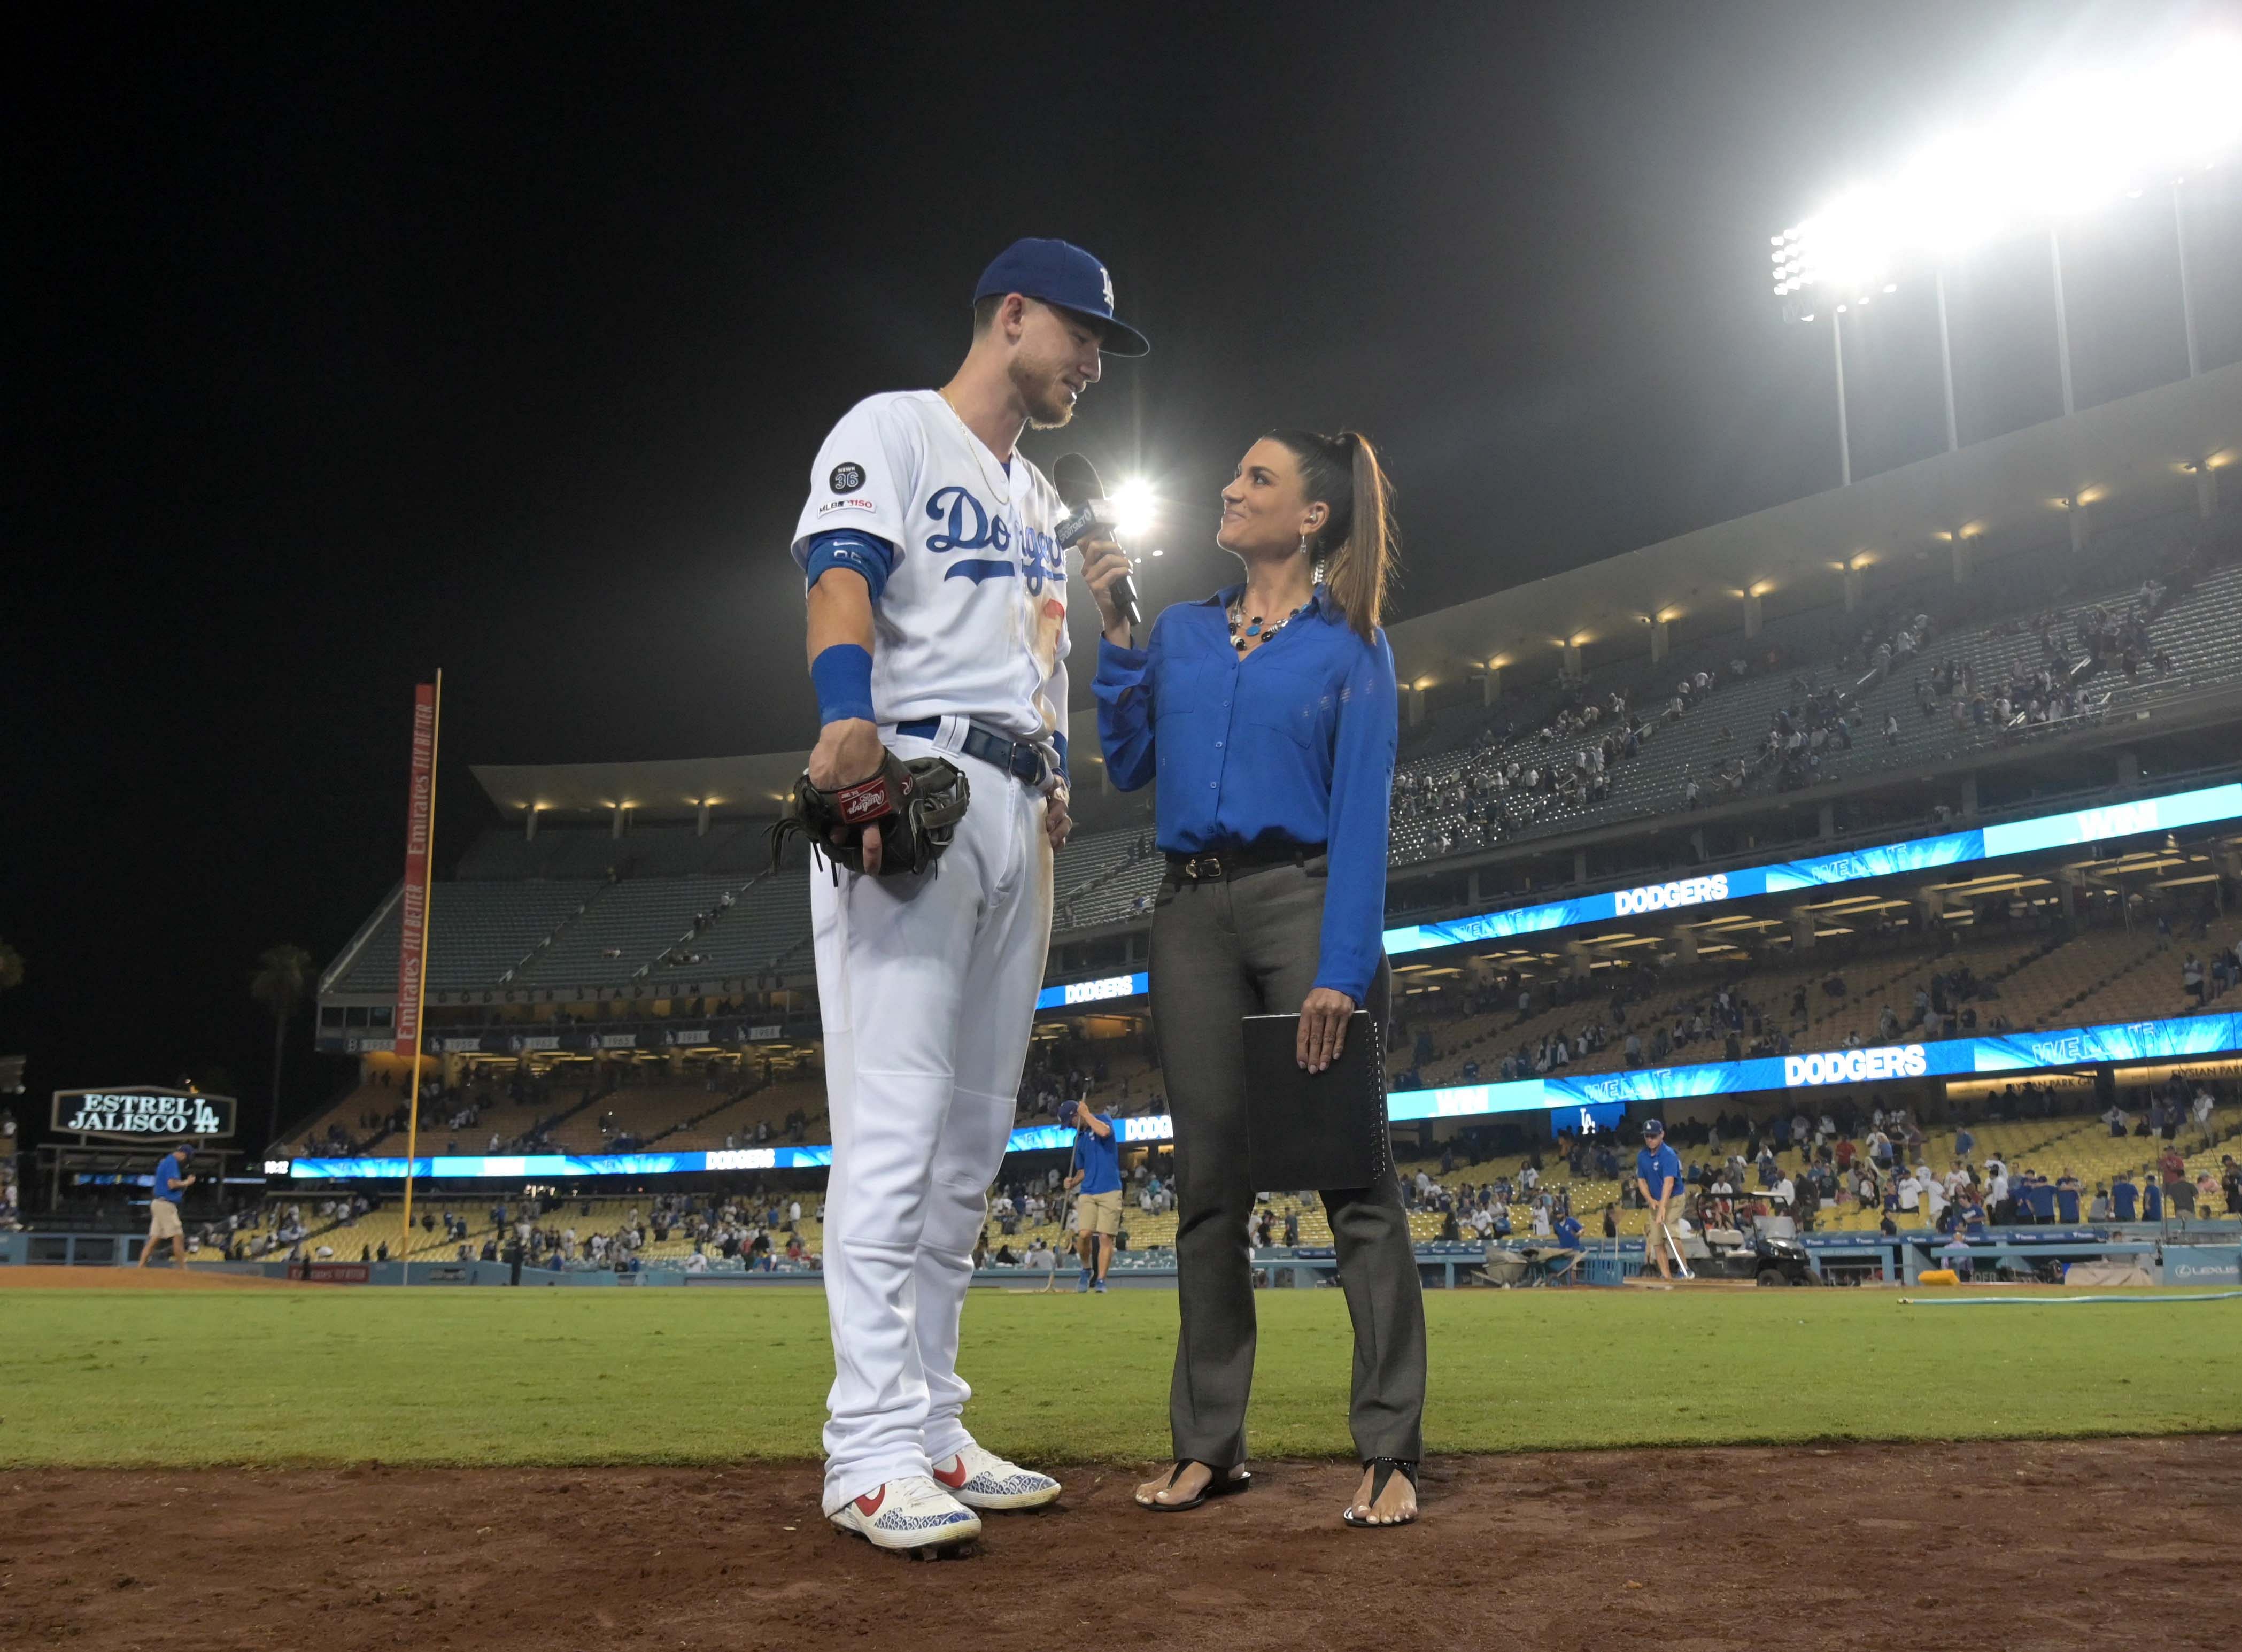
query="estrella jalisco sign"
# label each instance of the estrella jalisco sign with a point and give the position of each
(145, 1113)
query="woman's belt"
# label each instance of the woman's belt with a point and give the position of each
(1220, 865)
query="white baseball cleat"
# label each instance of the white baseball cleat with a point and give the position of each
(912, 1517)
(982, 1480)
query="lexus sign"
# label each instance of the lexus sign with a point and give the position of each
(143, 1114)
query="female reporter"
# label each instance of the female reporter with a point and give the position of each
(1267, 711)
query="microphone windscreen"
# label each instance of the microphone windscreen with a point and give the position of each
(1075, 478)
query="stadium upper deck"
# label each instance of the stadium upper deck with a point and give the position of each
(1970, 671)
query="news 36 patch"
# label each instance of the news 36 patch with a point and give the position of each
(847, 478)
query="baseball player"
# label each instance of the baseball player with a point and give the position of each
(938, 644)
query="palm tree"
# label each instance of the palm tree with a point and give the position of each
(283, 980)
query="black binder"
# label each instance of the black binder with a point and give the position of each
(1314, 1130)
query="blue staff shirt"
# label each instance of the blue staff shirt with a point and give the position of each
(2125, 1199)
(1293, 744)
(167, 1180)
(1099, 1157)
(1658, 1168)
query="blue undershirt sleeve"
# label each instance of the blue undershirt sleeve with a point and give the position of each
(864, 553)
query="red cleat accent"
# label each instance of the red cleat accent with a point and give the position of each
(952, 1481)
(868, 1505)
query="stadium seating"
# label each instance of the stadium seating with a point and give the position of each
(577, 907)
(487, 929)
(1729, 724)
(736, 1116)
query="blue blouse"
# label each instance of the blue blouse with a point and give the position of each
(1294, 743)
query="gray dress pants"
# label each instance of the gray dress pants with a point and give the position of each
(1222, 951)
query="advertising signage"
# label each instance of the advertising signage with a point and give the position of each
(2076, 828)
(1590, 1101)
(143, 1112)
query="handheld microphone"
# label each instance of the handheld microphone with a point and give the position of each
(1089, 516)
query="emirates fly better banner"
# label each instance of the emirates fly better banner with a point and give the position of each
(418, 813)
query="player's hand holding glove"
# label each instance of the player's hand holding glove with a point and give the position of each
(911, 809)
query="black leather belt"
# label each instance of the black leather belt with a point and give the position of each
(1015, 757)
(1220, 865)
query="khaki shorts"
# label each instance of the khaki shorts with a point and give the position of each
(163, 1219)
(1099, 1213)
(1671, 1226)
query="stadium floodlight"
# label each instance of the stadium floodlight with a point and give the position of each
(2060, 149)
(1136, 508)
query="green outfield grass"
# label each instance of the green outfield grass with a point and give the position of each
(465, 1376)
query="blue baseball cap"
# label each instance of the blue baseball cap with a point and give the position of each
(1067, 1109)
(1653, 1127)
(1061, 273)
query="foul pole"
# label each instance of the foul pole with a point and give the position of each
(413, 947)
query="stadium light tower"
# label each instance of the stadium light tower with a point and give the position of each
(2062, 150)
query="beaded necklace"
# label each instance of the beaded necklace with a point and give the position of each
(1245, 633)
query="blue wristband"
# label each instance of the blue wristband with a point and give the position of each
(842, 674)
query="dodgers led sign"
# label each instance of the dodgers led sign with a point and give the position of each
(1097, 992)
(2080, 826)
(1589, 1097)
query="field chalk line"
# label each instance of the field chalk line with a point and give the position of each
(2054, 1301)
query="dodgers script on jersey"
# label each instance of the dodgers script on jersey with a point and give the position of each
(973, 621)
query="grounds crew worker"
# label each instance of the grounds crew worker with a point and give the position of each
(171, 1182)
(1095, 1182)
(1658, 1174)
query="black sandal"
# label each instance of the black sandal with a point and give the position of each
(1385, 1468)
(1221, 1483)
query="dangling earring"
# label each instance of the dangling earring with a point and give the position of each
(1317, 578)
(1304, 544)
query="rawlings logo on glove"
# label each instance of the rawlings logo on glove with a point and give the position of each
(867, 799)
(916, 806)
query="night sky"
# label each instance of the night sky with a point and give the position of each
(347, 344)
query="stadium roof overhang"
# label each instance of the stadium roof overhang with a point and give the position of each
(652, 790)
(675, 789)
(2125, 459)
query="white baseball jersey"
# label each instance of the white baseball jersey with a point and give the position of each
(973, 621)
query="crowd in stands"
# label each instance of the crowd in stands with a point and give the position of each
(1886, 983)
(12, 1197)
(457, 1115)
(1557, 762)
(1115, 1076)
(1511, 778)
(1818, 1166)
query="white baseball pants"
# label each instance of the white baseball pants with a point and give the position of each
(927, 986)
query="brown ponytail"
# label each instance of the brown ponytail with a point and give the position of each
(1358, 539)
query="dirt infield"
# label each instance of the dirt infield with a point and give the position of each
(2013, 1544)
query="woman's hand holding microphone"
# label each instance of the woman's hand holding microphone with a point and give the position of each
(1104, 565)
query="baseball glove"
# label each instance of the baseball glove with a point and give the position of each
(916, 805)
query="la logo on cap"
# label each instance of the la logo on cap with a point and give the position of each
(1108, 280)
